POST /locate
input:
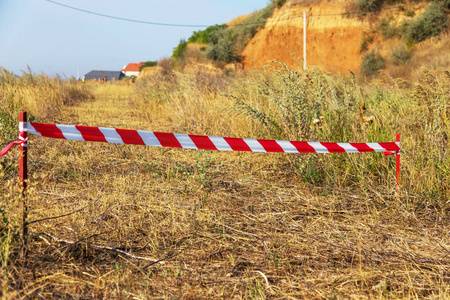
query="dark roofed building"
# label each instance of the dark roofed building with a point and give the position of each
(95, 74)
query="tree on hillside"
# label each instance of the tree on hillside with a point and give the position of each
(222, 48)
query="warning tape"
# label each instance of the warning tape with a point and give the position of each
(189, 141)
(22, 140)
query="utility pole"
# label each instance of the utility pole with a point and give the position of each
(304, 40)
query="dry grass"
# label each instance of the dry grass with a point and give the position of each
(212, 224)
(238, 20)
(432, 53)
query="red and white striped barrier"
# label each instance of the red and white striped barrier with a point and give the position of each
(175, 140)
(189, 141)
(21, 142)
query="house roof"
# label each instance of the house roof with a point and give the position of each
(133, 67)
(101, 74)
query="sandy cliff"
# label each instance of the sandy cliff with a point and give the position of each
(333, 37)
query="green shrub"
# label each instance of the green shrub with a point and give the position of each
(148, 64)
(432, 22)
(410, 13)
(204, 36)
(225, 44)
(366, 6)
(372, 62)
(373, 6)
(178, 51)
(222, 47)
(400, 55)
(388, 29)
(244, 32)
(279, 3)
(364, 46)
(445, 3)
(367, 40)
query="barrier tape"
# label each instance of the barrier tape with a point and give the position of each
(188, 141)
(22, 140)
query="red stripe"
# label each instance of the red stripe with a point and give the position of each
(92, 134)
(271, 146)
(237, 144)
(167, 139)
(390, 146)
(203, 142)
(333, 148)
(7, 148)
(303, 147)
(48, 130)
(362, 147)
(130, 136)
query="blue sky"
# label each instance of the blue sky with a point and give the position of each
(57, 40)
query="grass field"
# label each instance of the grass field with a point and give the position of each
(138, 222)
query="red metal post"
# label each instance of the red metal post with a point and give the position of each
(23, 175)
(397, 162)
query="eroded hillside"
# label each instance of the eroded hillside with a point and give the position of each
(334, 36)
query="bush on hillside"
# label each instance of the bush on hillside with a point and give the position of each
(148, 64)
(367, 40)
(222, 47)
(372, 62)
(390, 30)
(226, 43)
(400, 55)
(178, 51)
(166, 66)
(445, 3)
(279, 3)
(432, 22)
(372, 6)
(243, 33)
(204, 36)
(366, 6)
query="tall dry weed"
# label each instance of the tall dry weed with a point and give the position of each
(38, 94)
(313, 106)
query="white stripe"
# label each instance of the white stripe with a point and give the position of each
(22, 126)
(348, 148)
(376, 147)
(220, 143)
(70, 132)
(149, 138)
(318, 147)
(31, 129)
(287, 146)
(254, 145)
(185, 141)
(111, 135)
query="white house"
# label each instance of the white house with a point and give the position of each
(132, 69)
